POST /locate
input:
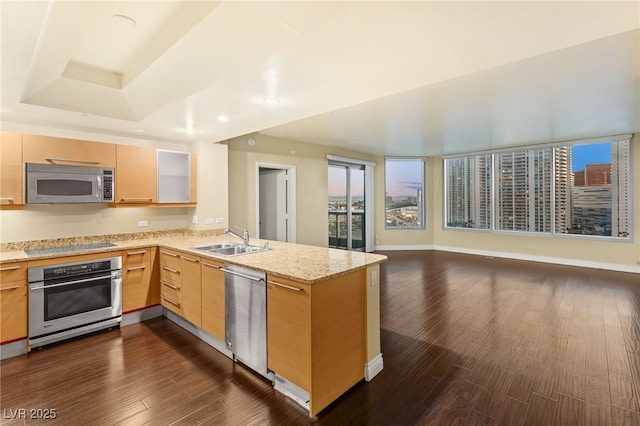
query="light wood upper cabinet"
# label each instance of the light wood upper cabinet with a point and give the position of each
(11, 170)
(69, 152)
(212, 298)
(140, 283)
(136, 175)
(13, 301)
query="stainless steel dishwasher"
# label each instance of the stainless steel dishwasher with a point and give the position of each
(246, 316)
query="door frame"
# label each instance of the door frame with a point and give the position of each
(291, 197)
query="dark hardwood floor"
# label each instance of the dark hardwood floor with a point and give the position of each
(465, 339)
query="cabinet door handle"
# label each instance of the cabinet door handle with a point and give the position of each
(136, 268)
(210, 265)
(189, 259)
(135, 200)
(168, 254)
(170, 270)
(170, 285)
(10, 268)
(173, 302)
(289, 287)
(10, 288)
(10, 199)
(132, 253)
(70, 160)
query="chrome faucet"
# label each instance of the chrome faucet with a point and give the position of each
(244, 237)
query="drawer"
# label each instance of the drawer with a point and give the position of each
(137, 256)
(170, 290)
(170, 275)
(170, 298)
(13, 272)
(169, 259)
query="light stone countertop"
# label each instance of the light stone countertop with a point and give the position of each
(307, 264)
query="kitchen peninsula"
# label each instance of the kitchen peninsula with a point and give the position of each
(322, 304)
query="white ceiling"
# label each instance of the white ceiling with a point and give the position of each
(388, 77)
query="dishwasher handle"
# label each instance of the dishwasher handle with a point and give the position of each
(249, 277)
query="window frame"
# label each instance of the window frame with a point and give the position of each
(422, 206)
(553, 231)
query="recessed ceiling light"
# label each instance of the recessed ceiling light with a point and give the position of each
(140, 130)
(84, 115)
(223, 118)
(124, 19)
(271, 101)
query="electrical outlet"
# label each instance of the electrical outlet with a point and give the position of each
(194, 220)
(208, 221)
(142, 223)
(220, 220)
(374, 278)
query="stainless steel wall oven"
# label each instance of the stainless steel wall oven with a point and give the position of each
(71, 299)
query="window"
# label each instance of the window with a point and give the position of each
(523, 201)
(468, 181)
(594, 189)
(404, 194)
(582, 188)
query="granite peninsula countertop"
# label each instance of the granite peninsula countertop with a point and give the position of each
(308, 264)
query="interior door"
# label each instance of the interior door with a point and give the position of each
(273, 204)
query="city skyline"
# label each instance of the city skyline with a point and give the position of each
(400, 175)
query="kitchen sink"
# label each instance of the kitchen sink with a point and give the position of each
(230, 249)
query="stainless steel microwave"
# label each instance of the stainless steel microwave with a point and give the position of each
(55, 184)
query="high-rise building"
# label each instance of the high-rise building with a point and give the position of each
(621, 189)
(593, 174)
(524, 190)
(563, 183)
(469, 192)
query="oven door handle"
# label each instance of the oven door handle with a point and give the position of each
(34, 288)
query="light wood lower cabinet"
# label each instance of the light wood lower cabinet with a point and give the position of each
(170, 280)
(212, 298)
(191, 289)
(11, 171)
(316, 334)
(289, 330)
(140, 284)
(13, 301)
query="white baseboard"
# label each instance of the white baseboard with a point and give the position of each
(518, 256)
(545, 259)
(405, 247)
(373, 367)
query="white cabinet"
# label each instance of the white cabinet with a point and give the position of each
(174, 177)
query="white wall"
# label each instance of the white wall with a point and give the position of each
(312, 182)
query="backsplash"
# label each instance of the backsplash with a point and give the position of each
(92, 239)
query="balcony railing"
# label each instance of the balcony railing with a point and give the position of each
(338, 229)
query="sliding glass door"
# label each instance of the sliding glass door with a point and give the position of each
(347, 206)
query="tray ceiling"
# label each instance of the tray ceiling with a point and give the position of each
(388, 78)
